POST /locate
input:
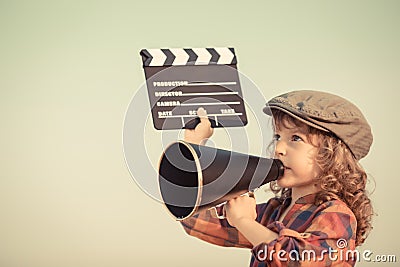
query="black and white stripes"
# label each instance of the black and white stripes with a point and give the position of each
(188, 56)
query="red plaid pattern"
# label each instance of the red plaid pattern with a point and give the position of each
(307, 236)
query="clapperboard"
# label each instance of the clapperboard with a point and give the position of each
(181, 80)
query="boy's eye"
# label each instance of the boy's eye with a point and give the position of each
(276, 137)
(296, 138)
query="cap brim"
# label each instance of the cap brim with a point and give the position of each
(267, 110)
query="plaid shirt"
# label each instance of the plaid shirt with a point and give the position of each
(309, 235)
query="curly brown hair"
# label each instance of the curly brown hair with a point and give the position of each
(341, 177)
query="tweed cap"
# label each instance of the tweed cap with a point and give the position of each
(329, 113)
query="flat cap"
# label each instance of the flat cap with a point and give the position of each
(329, 113)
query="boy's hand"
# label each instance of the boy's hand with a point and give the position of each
(239, 208)
(203, 130)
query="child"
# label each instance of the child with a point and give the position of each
(322, 212)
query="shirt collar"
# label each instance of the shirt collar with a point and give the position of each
(307, 199)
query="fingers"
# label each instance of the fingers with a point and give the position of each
(200, 134)
(250, 194)
(240, 207)
(202, 113)
(245, 198)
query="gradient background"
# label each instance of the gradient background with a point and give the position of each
(68, 70)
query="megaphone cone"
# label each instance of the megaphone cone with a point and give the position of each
(193, 177)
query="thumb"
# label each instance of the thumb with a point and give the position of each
(202, 113)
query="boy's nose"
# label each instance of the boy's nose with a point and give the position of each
(280, 148)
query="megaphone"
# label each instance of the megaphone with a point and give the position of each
(193, 177)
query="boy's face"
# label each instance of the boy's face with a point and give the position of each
(298, 155)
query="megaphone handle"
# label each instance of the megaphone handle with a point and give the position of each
(222, 216)
(215, 213)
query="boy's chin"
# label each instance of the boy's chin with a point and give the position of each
(283, 183)
(286, 182)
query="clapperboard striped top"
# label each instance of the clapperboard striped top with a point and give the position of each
(188, 56)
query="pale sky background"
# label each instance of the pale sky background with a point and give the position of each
(69, 69)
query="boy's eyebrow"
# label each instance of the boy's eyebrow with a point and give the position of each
(299, 132)
(295, 130)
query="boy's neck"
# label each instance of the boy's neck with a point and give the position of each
(298, 192)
